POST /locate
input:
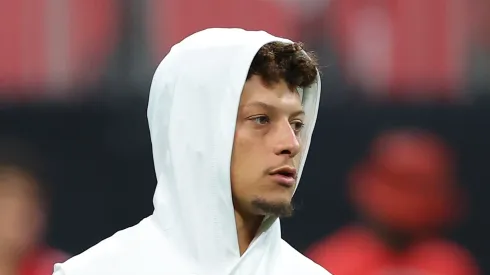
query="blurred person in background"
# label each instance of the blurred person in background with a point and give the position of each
(24, 202)
(406, 194)
(231, 114)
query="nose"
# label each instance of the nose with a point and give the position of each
(286, 140)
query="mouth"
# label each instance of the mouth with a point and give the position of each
(285, 176)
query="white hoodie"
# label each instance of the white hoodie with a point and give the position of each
(192, 112)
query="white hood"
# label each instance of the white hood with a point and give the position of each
(192, 112)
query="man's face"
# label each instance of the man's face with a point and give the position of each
(20, 214)
(266, 149)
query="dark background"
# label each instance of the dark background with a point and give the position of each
(99, 153)
(75, 77)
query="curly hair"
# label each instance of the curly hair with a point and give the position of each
(278, 61)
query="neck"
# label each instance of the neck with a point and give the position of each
(394, 239)
(8, 270)
(8, 264)
(247, 227)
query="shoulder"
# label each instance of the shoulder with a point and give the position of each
(112, 255)
(41, 260)
(350, 242)
(91, 260)
(446, 254)
(300, 264)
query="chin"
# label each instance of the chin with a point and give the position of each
(274, 207)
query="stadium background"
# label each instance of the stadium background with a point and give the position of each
(75, 76)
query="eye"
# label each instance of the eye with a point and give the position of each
(261, 120)
(297, 126)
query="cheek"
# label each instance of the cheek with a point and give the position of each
(246, 146)
(297, 159)
(246, 159)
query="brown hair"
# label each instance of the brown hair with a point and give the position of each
(278, 61)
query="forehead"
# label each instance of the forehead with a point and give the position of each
(279, 95)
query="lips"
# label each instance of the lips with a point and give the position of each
(285, 176)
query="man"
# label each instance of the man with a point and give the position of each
(231, 114)
(407, 196)
(23, 209)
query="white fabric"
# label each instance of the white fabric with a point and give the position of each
(192, 112)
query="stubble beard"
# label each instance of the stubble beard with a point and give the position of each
(277, 209)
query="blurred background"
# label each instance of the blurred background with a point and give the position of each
(395, 180)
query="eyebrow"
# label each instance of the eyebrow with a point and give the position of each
(270, 107)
